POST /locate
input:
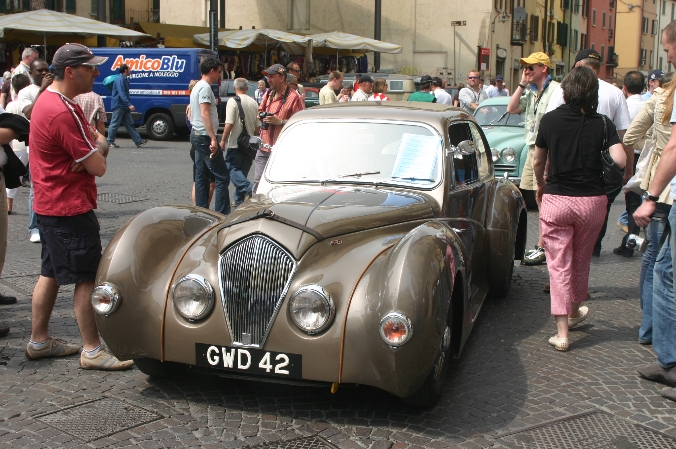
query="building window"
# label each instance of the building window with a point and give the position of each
(593, 47)
(603, 52)
(610, 21)
(584, 8)
(117, 11)
(551, 32)
(642, 59)
(70, 6)
(534, 28)
(664, 11)
(655, 26)
(593, 17)
(583, 41)
(544, 29)
(603, 20)
(650, 60)
(95, 7)
(645, 25)
(574, 43)
(673, 6)
(661, 63)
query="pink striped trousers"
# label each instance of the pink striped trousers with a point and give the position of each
(570, 226)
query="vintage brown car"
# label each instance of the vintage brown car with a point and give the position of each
(365, 258)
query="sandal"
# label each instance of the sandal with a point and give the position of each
(584, 313)
(561, 344)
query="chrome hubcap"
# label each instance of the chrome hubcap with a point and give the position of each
(160, 127)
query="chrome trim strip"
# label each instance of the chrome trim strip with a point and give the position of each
(256, 267)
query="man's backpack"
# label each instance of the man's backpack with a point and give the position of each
(109, 81)
(243, 139)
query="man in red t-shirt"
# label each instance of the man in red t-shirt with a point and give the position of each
(66, 154)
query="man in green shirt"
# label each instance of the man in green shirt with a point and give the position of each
(530, 98)
(424, 94)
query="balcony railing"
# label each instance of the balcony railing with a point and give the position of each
(519, 32)
(613, 60)
(152, 15)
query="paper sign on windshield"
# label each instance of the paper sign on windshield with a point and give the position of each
(416, 158)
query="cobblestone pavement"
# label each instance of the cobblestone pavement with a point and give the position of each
(509, 389)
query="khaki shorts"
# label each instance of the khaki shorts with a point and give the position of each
(528, 175)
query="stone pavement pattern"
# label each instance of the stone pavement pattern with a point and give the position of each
(507, 379)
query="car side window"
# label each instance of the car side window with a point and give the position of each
(464, 158)
(483, 156)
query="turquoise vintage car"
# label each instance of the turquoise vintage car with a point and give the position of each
(505, 135)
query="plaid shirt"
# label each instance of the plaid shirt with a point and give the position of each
(91, 103)
(293, 104)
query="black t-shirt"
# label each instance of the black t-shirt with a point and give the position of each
(574, 142)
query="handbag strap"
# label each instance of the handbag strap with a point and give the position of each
(605, 134)
(241, 114)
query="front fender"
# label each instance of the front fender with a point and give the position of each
(406, 279)
(140, 260)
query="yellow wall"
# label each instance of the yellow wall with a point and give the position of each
(627, 39)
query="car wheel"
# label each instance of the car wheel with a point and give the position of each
(500, 291)
(160, 126)
(529, 197)
(430, 391)
(155, 368)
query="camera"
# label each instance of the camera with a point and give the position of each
(636, 243)
(261, 116)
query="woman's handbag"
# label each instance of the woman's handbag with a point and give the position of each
(612, 175)
(642, 166)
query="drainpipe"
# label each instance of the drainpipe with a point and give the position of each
(100, 16)
(376, 33)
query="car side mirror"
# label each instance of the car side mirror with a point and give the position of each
(255, 142)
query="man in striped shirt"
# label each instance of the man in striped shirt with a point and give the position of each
(66, 155)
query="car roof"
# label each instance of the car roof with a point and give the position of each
(495, 101)
(434, 114)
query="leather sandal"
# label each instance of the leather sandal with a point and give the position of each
(561, 344)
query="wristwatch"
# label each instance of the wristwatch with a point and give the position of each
(648, 197)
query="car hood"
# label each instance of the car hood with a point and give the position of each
(502, 136)
(337, 210)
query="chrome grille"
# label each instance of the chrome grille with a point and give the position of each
(504, 167)
(255, 274)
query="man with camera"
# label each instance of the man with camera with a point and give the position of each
(278, 105)
(240, 110)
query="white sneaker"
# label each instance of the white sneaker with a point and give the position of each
(35, 236)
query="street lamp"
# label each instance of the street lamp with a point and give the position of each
(503, 18)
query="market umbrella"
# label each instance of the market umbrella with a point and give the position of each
(244, 38)
(46, 23)
(345, 41)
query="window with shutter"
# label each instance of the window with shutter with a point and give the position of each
(70, 6)
(116, 11)
(95, 7)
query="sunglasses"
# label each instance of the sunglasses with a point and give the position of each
(530, 68)
(472, 77)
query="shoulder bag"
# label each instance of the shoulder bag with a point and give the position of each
(611, 174)
(243, 140)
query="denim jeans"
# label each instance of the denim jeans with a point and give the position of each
(654, 232)
(239, 165)
(122, 116)
(624, 218)
(216, 165)
(664, 306)
(32, 218)
(633, 201)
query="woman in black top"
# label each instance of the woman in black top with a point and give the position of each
(573, 201)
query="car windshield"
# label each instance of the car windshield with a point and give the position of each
(497, 115)
(391, 153)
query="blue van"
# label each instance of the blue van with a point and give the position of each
(158, 84)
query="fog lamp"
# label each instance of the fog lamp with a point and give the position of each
(395, 329)
(106, 299)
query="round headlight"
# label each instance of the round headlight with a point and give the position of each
(495, 154)
(508, 154)
(312, 309)
(395, 329)
(193, 297)
(106, 298)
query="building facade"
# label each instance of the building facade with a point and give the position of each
(636, 44)
(666, 14)
(601, 25)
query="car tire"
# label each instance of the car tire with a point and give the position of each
(155, 368)
(160, 126)
(529, 197)
(500, 291)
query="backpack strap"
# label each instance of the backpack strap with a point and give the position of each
(241, 114)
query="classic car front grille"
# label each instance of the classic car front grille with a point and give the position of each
(504, 167)
(255, 275)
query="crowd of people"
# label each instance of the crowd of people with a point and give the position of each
(577, 132)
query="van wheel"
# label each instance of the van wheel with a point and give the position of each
(160, 126)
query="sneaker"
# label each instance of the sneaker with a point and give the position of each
(103, 360)
(535, 257)
(113, 145)
(35, 236)
(624, 252)
(6, 300)
(624, 228)
(141, 143)
(55, 347)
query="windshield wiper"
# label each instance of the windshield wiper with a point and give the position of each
(499, 118)
(351, 175)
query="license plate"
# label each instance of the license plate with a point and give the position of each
(249, 360)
